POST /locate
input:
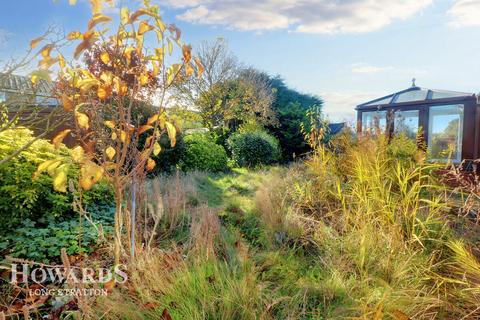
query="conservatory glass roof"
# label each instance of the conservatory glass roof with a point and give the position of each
(413, 94)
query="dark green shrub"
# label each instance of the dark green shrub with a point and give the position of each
(250, 149)
(169, 158)
(202, 153)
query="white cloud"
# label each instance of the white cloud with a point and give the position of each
(254, 16)
(366, 68)
(309, 16)
(340, 105)
(464, 13)
(183, 3)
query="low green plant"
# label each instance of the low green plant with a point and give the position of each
(402, 147)
(43, 241)
(253, 148)
(203, 154)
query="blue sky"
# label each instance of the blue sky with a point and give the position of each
(345, 51)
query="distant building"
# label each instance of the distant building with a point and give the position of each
(448, 120)
(33, 105)
(336, 128)
(20, 88)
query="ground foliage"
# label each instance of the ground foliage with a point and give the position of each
(353, 231)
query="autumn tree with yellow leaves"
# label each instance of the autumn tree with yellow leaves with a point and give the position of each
(118, 73)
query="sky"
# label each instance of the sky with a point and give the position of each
(345, 51)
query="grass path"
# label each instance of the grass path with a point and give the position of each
(235, 188)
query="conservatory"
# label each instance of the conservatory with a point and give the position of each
(449, 121)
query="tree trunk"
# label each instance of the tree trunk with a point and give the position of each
(118, 226)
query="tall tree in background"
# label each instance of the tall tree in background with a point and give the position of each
(220, 65)
(227, 95)
(230, 94)
(291, 107)
(246, 98)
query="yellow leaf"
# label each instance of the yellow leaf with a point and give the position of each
(159, 53)
(156, 69)
(172, 133)
(156, 148)
(174, 30)
(104, 56)
(124, 15)
(75, 35)
(78, 154)
(34, 79)
(89, 38)
(107, 77)
(187, 53)
(123, 136)
(160, 24)
(137, 14)
(72, 2)
(52, 169)
(82, 120)
(150, 164)
(96, 6)
(143, 79)
(199, 65)
(152, 119)
(128, 52)
(103, 92)
(86, 84)
(35, 42)
(144, 128)
(59, 138)
(114, 136)
(67, 103)
(61, 61)
(46, 50)
(189, 70)
(109, 124)
(144, 27)
(148, 140)
(47, 62)
(98, 18)
(110, 152)
(60, 181)
(90, 173)
(45, 165)
(120, 87)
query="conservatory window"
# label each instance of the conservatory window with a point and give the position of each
(413, 95)
(445, 132)
(386, 100)
(406, 122)
(374, 119)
